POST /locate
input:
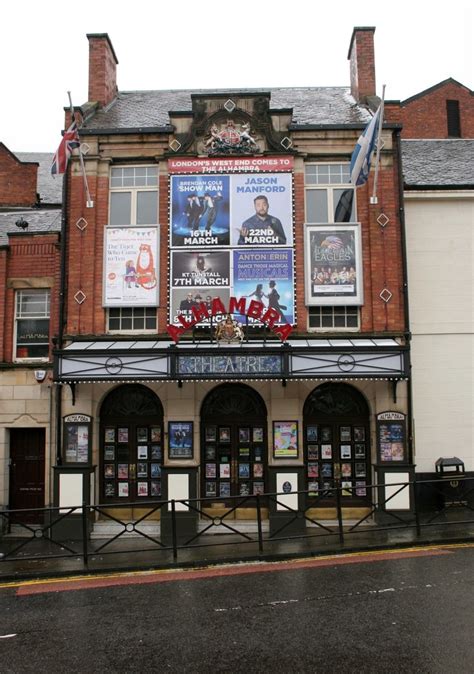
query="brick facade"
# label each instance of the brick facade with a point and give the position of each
(18, 180)
(102, 70)
(425, 116)
(32, 262)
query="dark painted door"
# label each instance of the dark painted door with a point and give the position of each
(27, 450)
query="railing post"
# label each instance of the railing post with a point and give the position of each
(173, 530)
(415, 507)
(339, 513)
(85, 552)
(259, 525)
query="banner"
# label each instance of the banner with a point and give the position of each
(209, 269)
(199, 211)
(131, 270)
(266, 276)
(230, 165)
(182, 300)
(333, 265)
(261, 210)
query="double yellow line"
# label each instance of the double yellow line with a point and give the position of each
(241, 565)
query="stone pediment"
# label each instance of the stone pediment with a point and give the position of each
(231, 125)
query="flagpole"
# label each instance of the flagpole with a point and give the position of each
(373, 198)
(89, 202)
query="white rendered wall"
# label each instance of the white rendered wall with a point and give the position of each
(440, 234)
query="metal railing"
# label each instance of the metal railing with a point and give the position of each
(185, 527)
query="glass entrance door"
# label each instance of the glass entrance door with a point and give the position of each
(233, 460)
(131, 462)
(337, 454)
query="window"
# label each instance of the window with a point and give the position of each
(134, 196)
(329, 196)
(32, 324)
(132, 319)
(453, 117)
(333, 318)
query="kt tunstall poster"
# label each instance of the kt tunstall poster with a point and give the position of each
(210, 269)
(333, 265)
(199, 211)
(130, 267)
(266, 276)
(261, 210)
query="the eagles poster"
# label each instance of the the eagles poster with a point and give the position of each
(333, 265)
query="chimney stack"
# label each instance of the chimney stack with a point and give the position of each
(102, 69)
(361, 56)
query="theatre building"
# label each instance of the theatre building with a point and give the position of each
(234, 318)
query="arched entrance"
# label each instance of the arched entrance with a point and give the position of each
(336, 445)
(131, 449)
(233, 442)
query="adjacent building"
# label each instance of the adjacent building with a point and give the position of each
(30, 224)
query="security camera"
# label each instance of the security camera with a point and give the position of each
(40, 375)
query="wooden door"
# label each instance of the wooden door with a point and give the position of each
(27, 472)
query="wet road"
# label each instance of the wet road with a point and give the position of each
(387, 612)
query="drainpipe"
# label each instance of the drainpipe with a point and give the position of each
(407, 334)
(62, 311)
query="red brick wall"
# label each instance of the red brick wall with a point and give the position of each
(381, 251)
(85, 257)
(28, 257)
(17, 181)
(362, 64)
(426, 117)
(102, 71)
(382, 258)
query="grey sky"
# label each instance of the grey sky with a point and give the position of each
(189, 44)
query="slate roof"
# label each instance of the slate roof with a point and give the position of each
(438, 163)
(311, 105)
(49, 188)
(47, 220)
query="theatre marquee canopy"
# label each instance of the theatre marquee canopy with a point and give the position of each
(153, 360)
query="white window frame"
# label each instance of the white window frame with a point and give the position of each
(132, 331)
(133, 190)
(40, 316)
(334, 328)
(329, 187)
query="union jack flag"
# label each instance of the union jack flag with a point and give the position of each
(69, 142)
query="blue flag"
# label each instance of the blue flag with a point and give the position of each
(360, 160)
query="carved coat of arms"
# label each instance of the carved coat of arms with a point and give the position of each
(229, 139)
(229, 330)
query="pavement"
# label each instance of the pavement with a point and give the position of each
(39, 557)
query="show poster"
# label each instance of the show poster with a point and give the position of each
(180, 439)
(333, 265)
(285, 439)
(130, 267)
(266, 276)
(391, 436)
(261, 210)
(199, 210)
(184, 299)
(209, 269)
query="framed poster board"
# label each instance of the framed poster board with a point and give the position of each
(391, 438)
(333, 265)
(77, 439)
(180, 439)
(285, 439)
